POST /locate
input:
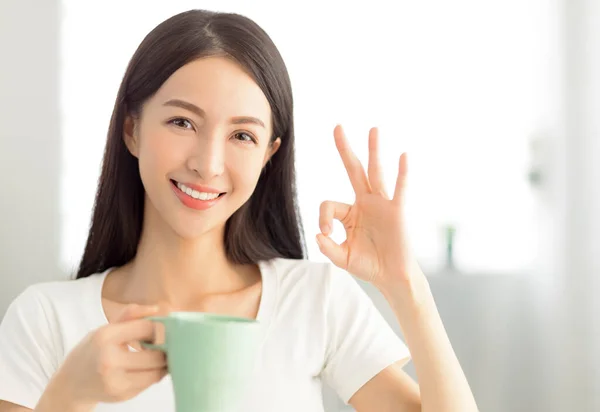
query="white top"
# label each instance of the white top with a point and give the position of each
(319, 324)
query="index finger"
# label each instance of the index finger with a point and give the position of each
(356, 172)
(133, 330)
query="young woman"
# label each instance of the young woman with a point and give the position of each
(196, 210)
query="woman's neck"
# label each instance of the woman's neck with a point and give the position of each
(178, 272)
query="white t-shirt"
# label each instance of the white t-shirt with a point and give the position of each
(319, 326)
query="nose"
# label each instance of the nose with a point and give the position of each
(208, 159)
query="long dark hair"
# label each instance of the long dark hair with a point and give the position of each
(265, 227)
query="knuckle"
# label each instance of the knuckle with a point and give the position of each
(101, 337)
(162, 360)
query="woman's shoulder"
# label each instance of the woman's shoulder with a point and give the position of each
(48, 301)
(308, 274)
(57, 290)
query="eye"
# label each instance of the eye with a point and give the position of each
(181, 123)
(244, 137)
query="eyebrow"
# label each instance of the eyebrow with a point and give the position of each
(201, 113)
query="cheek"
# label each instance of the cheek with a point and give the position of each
(159, 153)
(245, 170)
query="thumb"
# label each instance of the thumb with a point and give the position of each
(338, 254)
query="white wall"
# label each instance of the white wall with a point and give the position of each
(29, 145)
(580, 365)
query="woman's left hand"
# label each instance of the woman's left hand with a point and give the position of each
(376, 247)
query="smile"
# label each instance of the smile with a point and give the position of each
(195, 199)
(196, 194)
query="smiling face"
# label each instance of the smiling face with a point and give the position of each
(202, 141)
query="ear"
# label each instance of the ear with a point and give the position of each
(130, 135)
(271, 150)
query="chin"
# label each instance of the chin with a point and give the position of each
(192, 232)
(192, 227)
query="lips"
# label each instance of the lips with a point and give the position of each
(196, 197)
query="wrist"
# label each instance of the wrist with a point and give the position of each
(406, 292)
(59, 396)
(414, 306)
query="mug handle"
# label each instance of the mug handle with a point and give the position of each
(161, 346)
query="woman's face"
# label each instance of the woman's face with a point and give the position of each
(202, 141)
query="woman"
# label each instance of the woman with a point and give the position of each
(196, 210)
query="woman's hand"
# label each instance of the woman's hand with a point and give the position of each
(101, 368)
(376, 250)
(376, 247)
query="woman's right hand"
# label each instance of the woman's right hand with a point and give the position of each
(101, 368)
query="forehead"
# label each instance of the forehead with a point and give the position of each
(219, 86)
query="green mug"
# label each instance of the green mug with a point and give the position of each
(210, 359)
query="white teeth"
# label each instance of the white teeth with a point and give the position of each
(196, 194)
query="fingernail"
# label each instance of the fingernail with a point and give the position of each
(318, 240)
(326, 229)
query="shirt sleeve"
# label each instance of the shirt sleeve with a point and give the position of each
(27, 355)
(361, 342)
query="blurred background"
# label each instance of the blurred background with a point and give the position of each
(497, 103)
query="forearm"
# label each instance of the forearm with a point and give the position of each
(57, 398)
(443, 385)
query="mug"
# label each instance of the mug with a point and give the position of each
(210, 359)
